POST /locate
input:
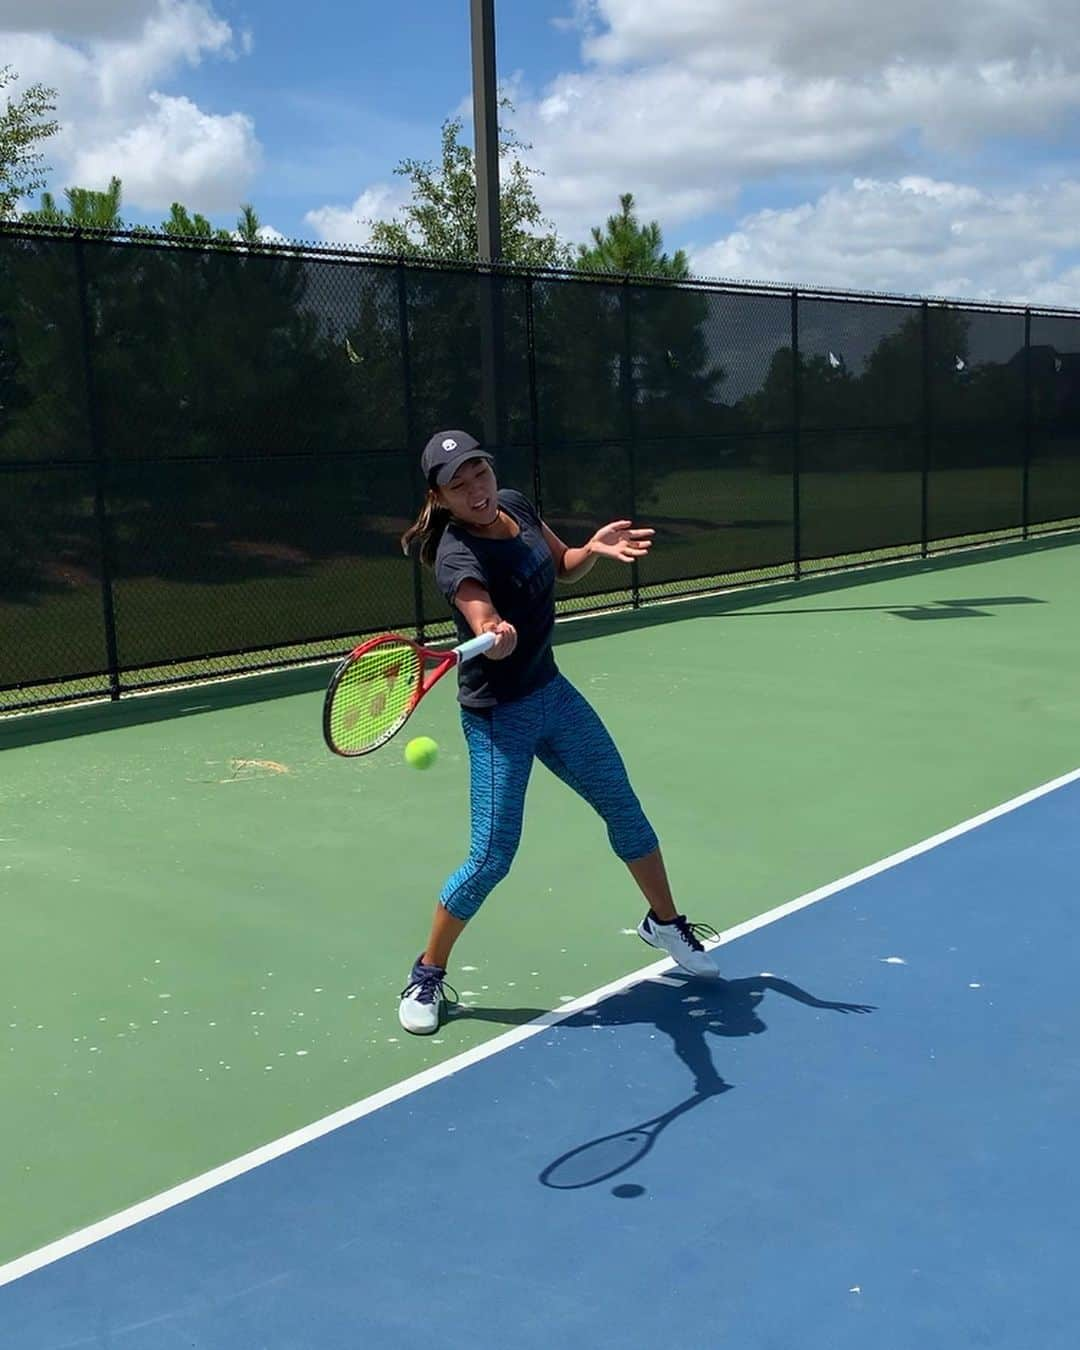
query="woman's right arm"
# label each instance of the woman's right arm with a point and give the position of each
(482, 617)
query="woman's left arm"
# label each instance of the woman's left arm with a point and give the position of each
(619, 540)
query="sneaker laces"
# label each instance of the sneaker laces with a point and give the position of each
(428, 984)
(694, 932)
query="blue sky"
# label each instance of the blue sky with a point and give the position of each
(924, 148)
(343, 100)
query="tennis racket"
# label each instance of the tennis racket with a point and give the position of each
(378, 686)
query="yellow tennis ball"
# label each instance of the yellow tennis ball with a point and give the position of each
(421, 752)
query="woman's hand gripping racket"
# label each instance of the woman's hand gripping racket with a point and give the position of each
(377, 688)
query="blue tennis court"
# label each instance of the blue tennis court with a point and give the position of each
(862, 1136)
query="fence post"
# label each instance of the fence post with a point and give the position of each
(925, 506)
(419, 487)
(1028, 429)
(534, 405)
(101, 516)
(796, 439)
(627, 368)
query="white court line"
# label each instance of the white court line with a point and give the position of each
(146, 1209)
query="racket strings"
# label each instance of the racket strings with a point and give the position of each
(374, 695)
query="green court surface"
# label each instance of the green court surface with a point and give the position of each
(208, 917)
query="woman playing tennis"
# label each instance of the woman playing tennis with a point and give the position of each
(496, 562)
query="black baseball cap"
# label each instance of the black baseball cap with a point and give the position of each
(446, 452)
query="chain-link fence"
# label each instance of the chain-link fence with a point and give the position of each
(208, 453)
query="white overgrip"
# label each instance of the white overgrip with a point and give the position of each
(475, 646)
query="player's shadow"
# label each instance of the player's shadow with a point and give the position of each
(688, 1011)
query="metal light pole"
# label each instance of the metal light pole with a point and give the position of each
(488, 229)
(486, 130)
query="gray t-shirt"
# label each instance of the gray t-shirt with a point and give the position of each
(519, 575)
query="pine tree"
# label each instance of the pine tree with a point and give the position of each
(627, 246)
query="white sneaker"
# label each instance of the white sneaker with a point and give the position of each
(422, 999)
(681, 940)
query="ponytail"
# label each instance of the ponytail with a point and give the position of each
(428, 527)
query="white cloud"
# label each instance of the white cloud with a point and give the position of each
(115, 118)
(351, 225)
(686, 103)
(177, 153)
(179, 33)
(915, 236)
(831, 37)
(685, 144)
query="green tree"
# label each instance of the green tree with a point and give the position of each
(90, 209)
(248, 225)
(181, 223)
(626, 246)
(87, 208)
(440, 220)
(23, 126)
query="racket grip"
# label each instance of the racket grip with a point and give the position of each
(475, 646)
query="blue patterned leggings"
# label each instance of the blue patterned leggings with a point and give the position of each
(557, 726)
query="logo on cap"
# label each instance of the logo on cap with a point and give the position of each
(449, 444)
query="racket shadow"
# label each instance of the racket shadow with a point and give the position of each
(604, 1158)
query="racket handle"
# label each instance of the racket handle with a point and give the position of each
(475, 646)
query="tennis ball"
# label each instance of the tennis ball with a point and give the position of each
(421, 752)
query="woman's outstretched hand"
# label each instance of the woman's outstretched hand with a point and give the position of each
(621, 541)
